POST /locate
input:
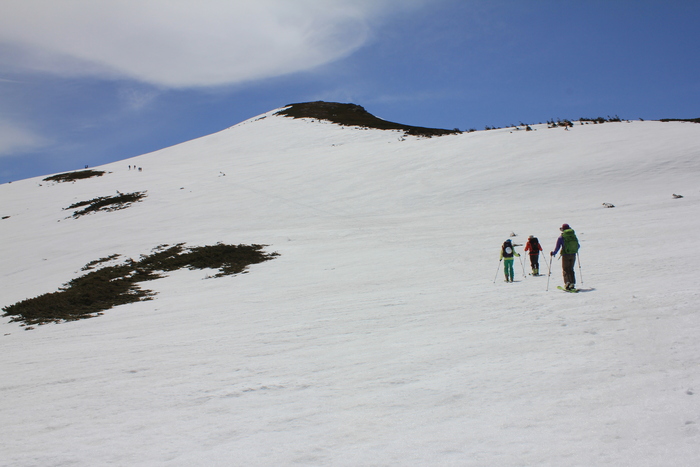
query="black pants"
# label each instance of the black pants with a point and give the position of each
(535, 262)
(567, 266)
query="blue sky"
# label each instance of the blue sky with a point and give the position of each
(89, 82)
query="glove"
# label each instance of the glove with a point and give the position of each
(551, 253)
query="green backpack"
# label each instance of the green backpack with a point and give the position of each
(571, 245)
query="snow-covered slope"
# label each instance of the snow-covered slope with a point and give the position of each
(378, 336)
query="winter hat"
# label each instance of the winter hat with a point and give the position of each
(530, 236)
(507, 241)
(565, 227)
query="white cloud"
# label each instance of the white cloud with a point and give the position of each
(184, 43)
(136, 99)
(15, 139)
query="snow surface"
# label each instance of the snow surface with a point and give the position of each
(379, 336)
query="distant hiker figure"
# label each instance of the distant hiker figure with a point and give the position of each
(508, 255)
(534, 247)
(569, 245)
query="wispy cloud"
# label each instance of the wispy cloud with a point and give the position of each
(14, 139)
(181, 43)
(134, 99)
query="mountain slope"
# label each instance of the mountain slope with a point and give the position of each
(378, 336)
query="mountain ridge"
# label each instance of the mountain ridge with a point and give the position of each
(354, 115)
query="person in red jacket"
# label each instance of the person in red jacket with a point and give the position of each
(533, 247)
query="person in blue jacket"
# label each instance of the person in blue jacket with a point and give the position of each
(568, 243)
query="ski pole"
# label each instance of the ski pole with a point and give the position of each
(550, 272)
(580, 271)
(545, 262)
(521, 264)
(499, 268)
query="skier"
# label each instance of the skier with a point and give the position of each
(569, 245)
(508, 255)
(534, 247)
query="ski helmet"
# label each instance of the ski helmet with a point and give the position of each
(565, 227)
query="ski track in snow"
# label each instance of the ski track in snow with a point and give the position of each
(378, 337)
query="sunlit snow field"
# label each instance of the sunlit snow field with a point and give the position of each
(379, 335)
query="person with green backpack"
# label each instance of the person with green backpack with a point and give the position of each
(568, 243)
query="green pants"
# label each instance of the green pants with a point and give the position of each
(508, 268)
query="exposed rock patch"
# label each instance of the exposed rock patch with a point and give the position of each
(354, 115)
